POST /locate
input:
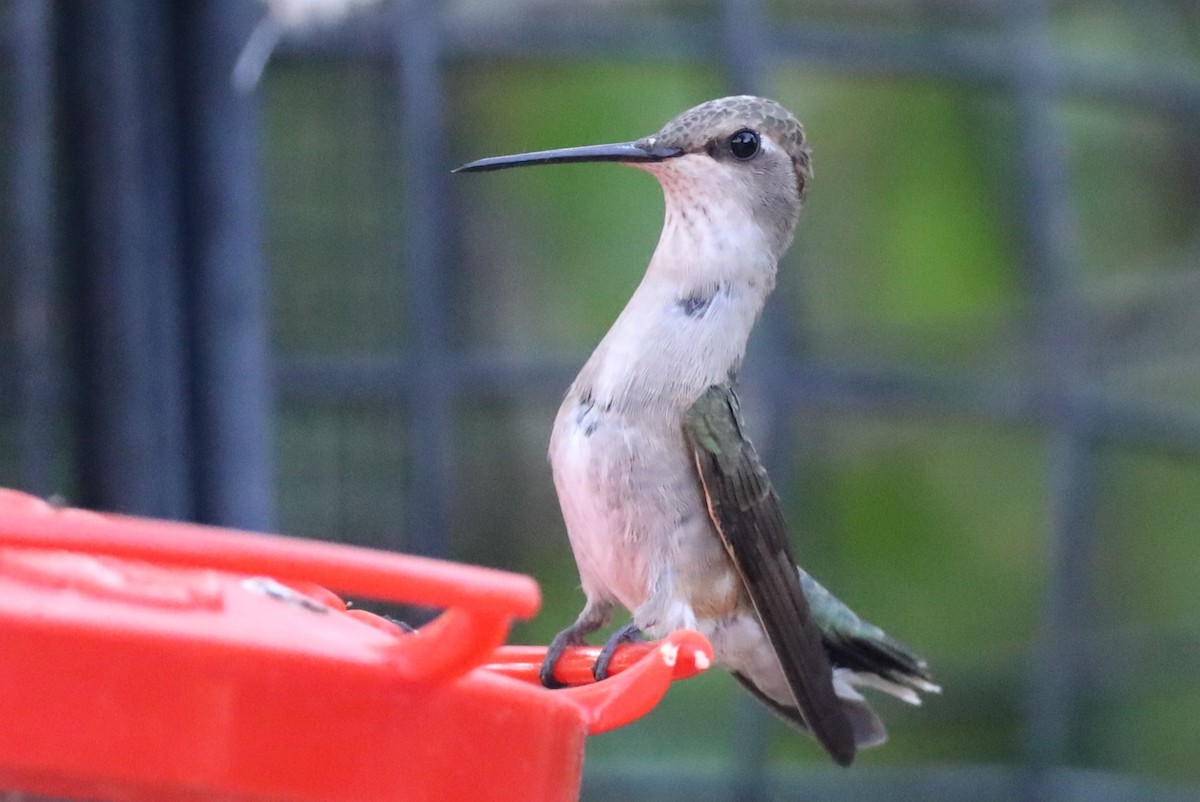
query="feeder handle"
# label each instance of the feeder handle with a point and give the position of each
(30, 522)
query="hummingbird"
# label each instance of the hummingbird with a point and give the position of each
(668, 507)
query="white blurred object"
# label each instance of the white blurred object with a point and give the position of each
(282, 17)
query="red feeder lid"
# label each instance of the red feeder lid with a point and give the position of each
(153, 660)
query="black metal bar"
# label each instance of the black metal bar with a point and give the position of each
(38, 358)
(746, 57)
(1059, 326)
(225, 280)
(388, 378)
(960, 57)
(421, 139)
(746, 48)
(965, 782)
(122, 251)
(799, 384)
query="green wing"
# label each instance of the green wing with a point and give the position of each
(745, 511)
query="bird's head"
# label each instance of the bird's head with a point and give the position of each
(731, 160)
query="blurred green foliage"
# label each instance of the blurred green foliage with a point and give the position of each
(909, 257)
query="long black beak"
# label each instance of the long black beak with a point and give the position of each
(620, 152)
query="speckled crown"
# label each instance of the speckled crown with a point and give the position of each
(693, 129)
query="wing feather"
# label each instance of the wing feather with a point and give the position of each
(746, 513)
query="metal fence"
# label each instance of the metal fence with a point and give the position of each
(161, 405)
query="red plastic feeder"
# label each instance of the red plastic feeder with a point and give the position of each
(151, 660)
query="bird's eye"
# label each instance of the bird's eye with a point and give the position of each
(744, 144)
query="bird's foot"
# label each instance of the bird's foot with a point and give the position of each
(626, 634)
(594, 616)
(571, 636)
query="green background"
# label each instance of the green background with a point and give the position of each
(908, 261)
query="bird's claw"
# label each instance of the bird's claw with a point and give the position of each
(562, 641)
(625, 634)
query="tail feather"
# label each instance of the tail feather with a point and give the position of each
(862, 656)
(867, 727)
(864, 648)
(880, 656)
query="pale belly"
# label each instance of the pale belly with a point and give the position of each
(638, 522)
